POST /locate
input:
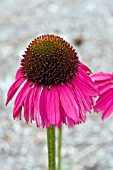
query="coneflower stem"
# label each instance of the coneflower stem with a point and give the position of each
(51, 148)
(59, 148)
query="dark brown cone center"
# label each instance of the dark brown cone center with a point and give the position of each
(49, 60)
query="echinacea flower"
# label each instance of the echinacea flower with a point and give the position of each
(55, 86)
(104, 84)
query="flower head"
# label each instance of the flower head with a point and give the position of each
(55, 86)
(104, 84)
(49, 60)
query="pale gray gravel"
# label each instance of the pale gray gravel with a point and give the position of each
(87, 146)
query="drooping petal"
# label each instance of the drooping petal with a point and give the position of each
(20, 98)
(85, 76)
(63, 115)
(26, 108)
(82, 109)
(69, 104)
(85, 68)
(18, 74)
(52, 106)
(43, 111)
(89, 87)
(88, 82)
(79, 102)
(101, 83)
(108, 110)
(104, 83)
(18, 114)
(103, 99)
(31, 102)
(13, 89)
(70, 122)
(104, 87)
(36, 105)
(100, 76)
(82, 93)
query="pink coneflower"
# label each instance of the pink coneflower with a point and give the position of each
(104, 84)
(55, 86)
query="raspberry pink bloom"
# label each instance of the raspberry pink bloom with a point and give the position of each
(54, 86)
(104, 84)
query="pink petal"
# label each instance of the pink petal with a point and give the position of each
(84, 76)
(102, 82)
(70, 122)
(26, 107)
(36, 106)
(103, 99)
(52, 105)
(104, 87)
(63, 115)
(101, 76)
(87, 80)
(68, 102)
(85, 68)
(20, 97)
(18, 74)
(89, 87)
(43, 111)
(73, 90)
(18, 114)
(82, 108)
(82, 93)
(108, 110)
(14, 88)
(31, 102)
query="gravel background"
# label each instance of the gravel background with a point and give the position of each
(88, 26)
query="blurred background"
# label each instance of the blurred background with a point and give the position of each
(88, 26)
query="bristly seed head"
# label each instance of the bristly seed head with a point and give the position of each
(49, 60)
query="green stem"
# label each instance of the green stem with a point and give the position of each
(59, 148)
(51, 148)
